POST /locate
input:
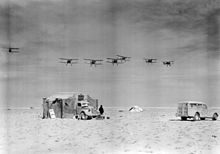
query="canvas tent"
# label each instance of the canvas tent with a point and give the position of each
(64, 104)
(135, 109)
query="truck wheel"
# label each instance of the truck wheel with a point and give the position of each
(215, 116)
(183, 118)
(83, 116)
(197, 117)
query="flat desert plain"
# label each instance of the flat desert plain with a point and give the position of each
(153, 131)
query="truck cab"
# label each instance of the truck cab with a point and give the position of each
(85, 111)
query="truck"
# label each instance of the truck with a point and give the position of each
(85, 111)
(195, 110)
(71, 105)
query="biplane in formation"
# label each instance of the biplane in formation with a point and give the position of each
(123, 58)
(12, 50)
(114, 61)
(168, 63)
(69, 61)
(94, 62)
(150, 60)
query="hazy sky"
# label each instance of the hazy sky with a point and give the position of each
(45, 30)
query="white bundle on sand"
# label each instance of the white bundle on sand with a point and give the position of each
(135, 109)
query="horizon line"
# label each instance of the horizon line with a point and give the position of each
(123, 107)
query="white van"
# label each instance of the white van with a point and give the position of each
(195, 110)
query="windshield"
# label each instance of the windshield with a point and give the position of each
(205, 106)
(84, 104)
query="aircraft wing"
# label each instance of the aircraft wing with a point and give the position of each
(74, 62)
(119, 56)
(94, 59)
(122, 56)
(63, 58)
(111, 58)
(120, 62)
(149, 59)
(15, 51)
(168, 61)
(88, 59)
(14, 48)
(10, 48)
(68, 59)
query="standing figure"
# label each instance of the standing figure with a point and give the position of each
(101, 110)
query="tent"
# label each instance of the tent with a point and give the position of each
(135, 109)
(64, 104)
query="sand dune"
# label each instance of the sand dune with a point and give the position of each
(155, 131)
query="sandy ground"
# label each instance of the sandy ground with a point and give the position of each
(155, 131)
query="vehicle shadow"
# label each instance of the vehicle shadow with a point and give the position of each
(192, 120)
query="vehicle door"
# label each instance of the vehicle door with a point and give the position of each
(192, 109)
(78, 108)
(183, 108)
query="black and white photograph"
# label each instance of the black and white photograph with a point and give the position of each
(109, 76)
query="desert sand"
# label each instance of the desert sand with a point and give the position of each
(153, 131)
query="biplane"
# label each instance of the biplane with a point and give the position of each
(168, 63)
(150, 61)
(114, 61)
(69, 61)
(12, 50)
(94, 62)
(123, 58)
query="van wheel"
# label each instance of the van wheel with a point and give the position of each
(202, 118)
(197, 117)
(215, 116)
(83, 116)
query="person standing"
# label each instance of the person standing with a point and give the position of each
(101, 110)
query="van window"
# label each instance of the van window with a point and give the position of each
(182, 105)
(78, 104)
(199, 105)
(193, 105)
